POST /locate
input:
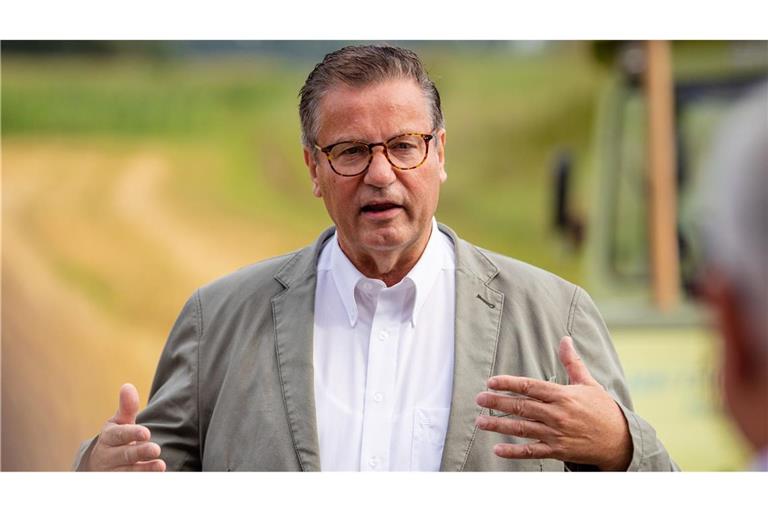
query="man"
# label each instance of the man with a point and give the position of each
(372, 349)
(735, 282)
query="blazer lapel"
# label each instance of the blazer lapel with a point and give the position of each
(478, 318)
(293, 312)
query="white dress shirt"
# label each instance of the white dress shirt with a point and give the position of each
(383, 360)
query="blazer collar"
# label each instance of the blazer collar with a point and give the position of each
(303, 264)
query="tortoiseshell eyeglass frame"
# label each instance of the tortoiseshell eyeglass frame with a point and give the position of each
(327, 150)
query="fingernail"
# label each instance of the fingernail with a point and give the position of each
(481, 421)
(482, 400)
(492, 382)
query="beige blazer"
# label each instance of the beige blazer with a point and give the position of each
(234, 386)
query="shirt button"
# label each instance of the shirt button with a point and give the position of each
(383, 335)
(378, 397)
(373, 462)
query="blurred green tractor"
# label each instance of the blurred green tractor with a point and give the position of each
(648, 299)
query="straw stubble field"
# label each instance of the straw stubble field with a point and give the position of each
(97, 261)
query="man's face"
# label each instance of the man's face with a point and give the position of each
(382, 209)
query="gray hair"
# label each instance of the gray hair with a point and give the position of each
(357, 66)
(735, 206)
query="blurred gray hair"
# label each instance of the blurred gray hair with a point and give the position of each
(735, 206)
(358, 66)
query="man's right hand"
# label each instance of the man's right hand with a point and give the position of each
(122, 445)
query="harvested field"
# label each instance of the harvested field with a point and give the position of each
(97, 261)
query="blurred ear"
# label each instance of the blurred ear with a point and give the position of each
(440, 147)
(739, 361)
(311, 162)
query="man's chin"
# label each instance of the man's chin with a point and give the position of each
(384, 238)
(384, 243)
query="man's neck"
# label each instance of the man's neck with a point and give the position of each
(390, 266)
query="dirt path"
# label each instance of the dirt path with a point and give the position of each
(96, 264)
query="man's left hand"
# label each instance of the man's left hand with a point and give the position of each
(579, 422)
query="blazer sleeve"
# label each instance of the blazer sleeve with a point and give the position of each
(172, 414)
(593, 344)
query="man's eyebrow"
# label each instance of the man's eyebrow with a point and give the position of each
(352, 138)
(345, 138)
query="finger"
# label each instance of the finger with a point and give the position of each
(577, 370)
(128, 406)
(524, 451)
(517, 428)
(118, 435)
(538, 389)
(516, 406)
(152, 465)
(131, 454)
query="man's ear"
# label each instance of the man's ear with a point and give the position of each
(440, 147)
(311, 162)
(740, 360)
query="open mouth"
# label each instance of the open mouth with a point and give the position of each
(379, 207)
(381, 211)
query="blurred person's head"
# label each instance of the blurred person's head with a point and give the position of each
(373, 136)
(735, 279)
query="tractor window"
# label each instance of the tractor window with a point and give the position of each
(700, 108)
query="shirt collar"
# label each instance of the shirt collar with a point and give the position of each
(438, 255)
(346, 276)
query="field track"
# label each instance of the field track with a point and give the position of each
(97, 261)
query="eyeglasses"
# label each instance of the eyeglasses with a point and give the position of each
(405, 152)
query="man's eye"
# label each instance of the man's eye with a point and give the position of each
(351, 151)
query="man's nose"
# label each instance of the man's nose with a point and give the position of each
(380, 172)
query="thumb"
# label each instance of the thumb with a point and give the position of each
(129, 405)
(577, 370)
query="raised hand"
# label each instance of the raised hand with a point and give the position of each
(579, 422)
(122, 445)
